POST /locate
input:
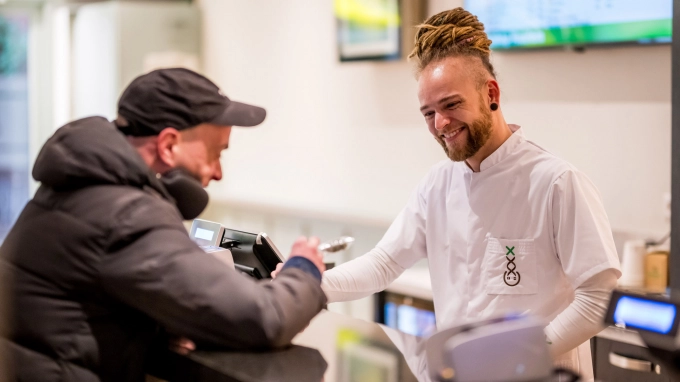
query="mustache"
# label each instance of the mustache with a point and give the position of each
(451, 130)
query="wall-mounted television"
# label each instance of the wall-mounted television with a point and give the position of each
(368, 29)
(548, 23)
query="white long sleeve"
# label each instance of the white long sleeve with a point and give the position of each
(583, 318)
(361, 277)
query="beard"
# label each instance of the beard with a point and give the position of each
(479, 133)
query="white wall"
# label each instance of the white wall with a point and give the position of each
(96, 71)
(113, 42)
(347, 139)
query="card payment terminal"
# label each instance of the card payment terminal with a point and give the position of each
(253, 254)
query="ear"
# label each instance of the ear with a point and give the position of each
(493, 92)
(166, 146)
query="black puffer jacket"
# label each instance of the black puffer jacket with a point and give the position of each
(100, 257)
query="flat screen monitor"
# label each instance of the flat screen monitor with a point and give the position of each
(407, 314)
(548, 23)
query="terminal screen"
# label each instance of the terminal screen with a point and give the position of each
(204, 234)
(654, 316)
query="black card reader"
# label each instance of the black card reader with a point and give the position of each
(254, 254)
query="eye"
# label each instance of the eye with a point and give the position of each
(452, 105)
(428, 114)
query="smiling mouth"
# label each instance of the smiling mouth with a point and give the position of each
(449, 136)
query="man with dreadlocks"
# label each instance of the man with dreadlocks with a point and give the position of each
(505, 225)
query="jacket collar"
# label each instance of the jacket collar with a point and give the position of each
(505, 150)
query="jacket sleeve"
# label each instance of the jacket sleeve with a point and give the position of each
(154, 267)
(402, 246)
(360, 277)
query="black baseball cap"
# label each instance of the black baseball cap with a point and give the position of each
(179, 98)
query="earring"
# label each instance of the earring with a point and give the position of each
(494, 106)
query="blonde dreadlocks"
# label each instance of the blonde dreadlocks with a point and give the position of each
(452, 33)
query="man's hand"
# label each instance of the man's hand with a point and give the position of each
(277, 270)
(307, 249)
(182, 345)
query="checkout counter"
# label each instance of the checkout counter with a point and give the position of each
(339, 348)
(333, 348)
(619, 354)
(399, 345)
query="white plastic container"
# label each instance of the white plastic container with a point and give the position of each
(633, 264)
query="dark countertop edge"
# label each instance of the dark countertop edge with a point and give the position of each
(627, 336)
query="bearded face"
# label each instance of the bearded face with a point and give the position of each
(454, 95)
(462, 142)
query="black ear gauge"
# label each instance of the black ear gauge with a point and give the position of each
(494, 106)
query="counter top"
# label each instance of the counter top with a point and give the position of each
(353, 347)
(241, 366)
(414, 282)
(626, 336)
(334, 347)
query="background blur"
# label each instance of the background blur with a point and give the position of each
(344, 143)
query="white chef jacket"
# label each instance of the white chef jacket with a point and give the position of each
(518, 236)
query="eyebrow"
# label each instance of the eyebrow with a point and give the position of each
(443, 100)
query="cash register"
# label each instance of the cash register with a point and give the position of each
(656, 319)
(250, 253)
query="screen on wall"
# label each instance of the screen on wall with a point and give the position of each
(547, 23)
(368, 29)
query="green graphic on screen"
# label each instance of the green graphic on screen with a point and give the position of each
(545, 23)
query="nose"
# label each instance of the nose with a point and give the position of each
(217, 173)
(440, 121)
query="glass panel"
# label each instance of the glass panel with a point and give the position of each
(14, 159)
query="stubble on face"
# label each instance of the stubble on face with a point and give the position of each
(201, 148)
(479, 133)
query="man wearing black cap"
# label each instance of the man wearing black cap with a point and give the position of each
(99, 259)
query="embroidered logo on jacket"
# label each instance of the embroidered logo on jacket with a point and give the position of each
(511, 277)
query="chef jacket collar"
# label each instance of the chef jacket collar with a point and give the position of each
(503, 151)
